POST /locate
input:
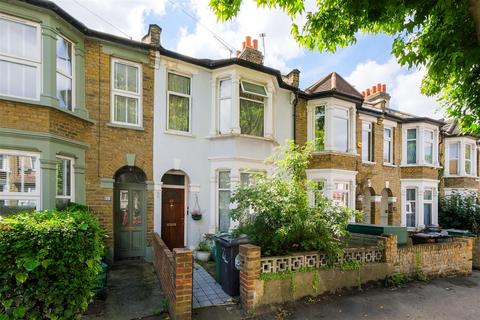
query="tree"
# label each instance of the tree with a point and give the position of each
(441, 35)
(278, 214)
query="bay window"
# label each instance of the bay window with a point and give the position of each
(126, 93)
(411, 207)
(340, 194)
(411, 146)
(367, 142)
(64, 181)
(20, 58)
(388, 145)
(252, 108)
(178, 102)
(453, 158)
(225, 106)
(224, 195)
(468, 159)
(64, 73)
(319, 128)
(428, 146)
(427, 206)
(340, 129)
(19, 182)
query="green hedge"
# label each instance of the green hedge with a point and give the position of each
(49, 263)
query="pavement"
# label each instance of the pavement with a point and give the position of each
(206, 291)
(440, 299)
(133, 292)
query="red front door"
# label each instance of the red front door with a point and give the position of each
(173, 217)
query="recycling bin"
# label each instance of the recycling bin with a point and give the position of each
(217, 254)
(230, 263)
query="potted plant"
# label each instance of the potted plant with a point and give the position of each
(196, 212)
(203, 251)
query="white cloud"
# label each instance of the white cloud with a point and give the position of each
(126, 15)
(403, 86)
(280, 45)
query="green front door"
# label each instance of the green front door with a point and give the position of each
(130, 220)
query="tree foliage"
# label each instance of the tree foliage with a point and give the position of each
(49, 262)
(443, 36)
(278, 214)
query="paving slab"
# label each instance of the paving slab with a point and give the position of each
(206, 291)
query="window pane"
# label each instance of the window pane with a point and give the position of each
(120, 113)
(178, 113)
(320, 128)
(387, 151)
(178, 83)
(173, 179)
(411, 133)
(132, 110)
(120, 76)
(468, 151)
(428, 152)
(64, 183)
(427, 214)
(64, 56)
(411, 152)
(340, 134)
(224, 210)
(224, 179)
(252, 88)
(225, 115)
(453, 154)
(132, 79)
(18, 174)
(366, 142)
(13, 206)
(18, 80)
(468, 167)
(387, 133)
(251, 117)
(453, 166)
(19, 40)
(428, 135)
(64, 92)
(428, 195)
(411, 194)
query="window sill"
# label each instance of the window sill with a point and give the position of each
(386, 164)
(460, 176)
(421, 165)
(238, 135)
(125, 126)
(368, 163)
(179, 133)
(335, 153)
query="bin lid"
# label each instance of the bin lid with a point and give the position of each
(229, 241)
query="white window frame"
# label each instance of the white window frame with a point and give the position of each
(432, 142)
(367, 144)
(347, 117)
(189, 96)
(72, 77)
(218, 189)
(427, 201)
(264, 102)
(388, 140)
(462, 143)
(420, 128)
(220, 99)
(38, 183)
(251, 92)
(408, 207)
(37, 63)
(72, 179)
(124, 93)
(471, 160)
(420, 185)
(416, 145)
(315, 124)
(458, 157)
(343, 191)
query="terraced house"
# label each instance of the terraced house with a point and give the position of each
(153, 140)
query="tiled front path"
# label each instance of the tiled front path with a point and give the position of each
(206, 291)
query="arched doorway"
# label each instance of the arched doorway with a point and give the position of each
(129, 207)
(385, 207)
(368, 206)
(173, 208)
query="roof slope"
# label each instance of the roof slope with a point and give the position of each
(334, 82)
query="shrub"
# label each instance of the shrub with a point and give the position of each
(285, 218)
(460, 211)
(49, 262)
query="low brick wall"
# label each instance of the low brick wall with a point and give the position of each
(476, 253)
(175, 272)
(304, 274)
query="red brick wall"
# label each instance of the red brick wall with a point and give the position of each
(175, 272)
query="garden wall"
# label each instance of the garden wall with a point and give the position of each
(476, 253)
(269, 280)
(175, 272)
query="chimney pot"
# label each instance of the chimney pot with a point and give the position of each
(379, 87)
(255, 43)
(238, 52)
(384, 87)
(249, 41)
(368, 92)
(243, 44)
(363, 93)
(374, 89)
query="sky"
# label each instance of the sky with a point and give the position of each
(190, 27)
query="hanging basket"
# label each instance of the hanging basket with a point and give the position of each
(196, 212)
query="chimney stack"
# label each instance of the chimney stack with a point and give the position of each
(153, 35)
(250, 51)
(377, 96)
(292, 78)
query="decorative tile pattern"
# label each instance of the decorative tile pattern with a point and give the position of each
(317, 259)
(206, 291)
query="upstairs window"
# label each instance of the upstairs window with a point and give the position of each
(411, 146)
(64, 73)
(179, 100)
(126, 93)
(388, 145)
(453, 158)
(225, 106)
(320, 128)
(428, 146)
(468, 159)
(367, 142)
(252, 108)
(20, 58)
(340, 129)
